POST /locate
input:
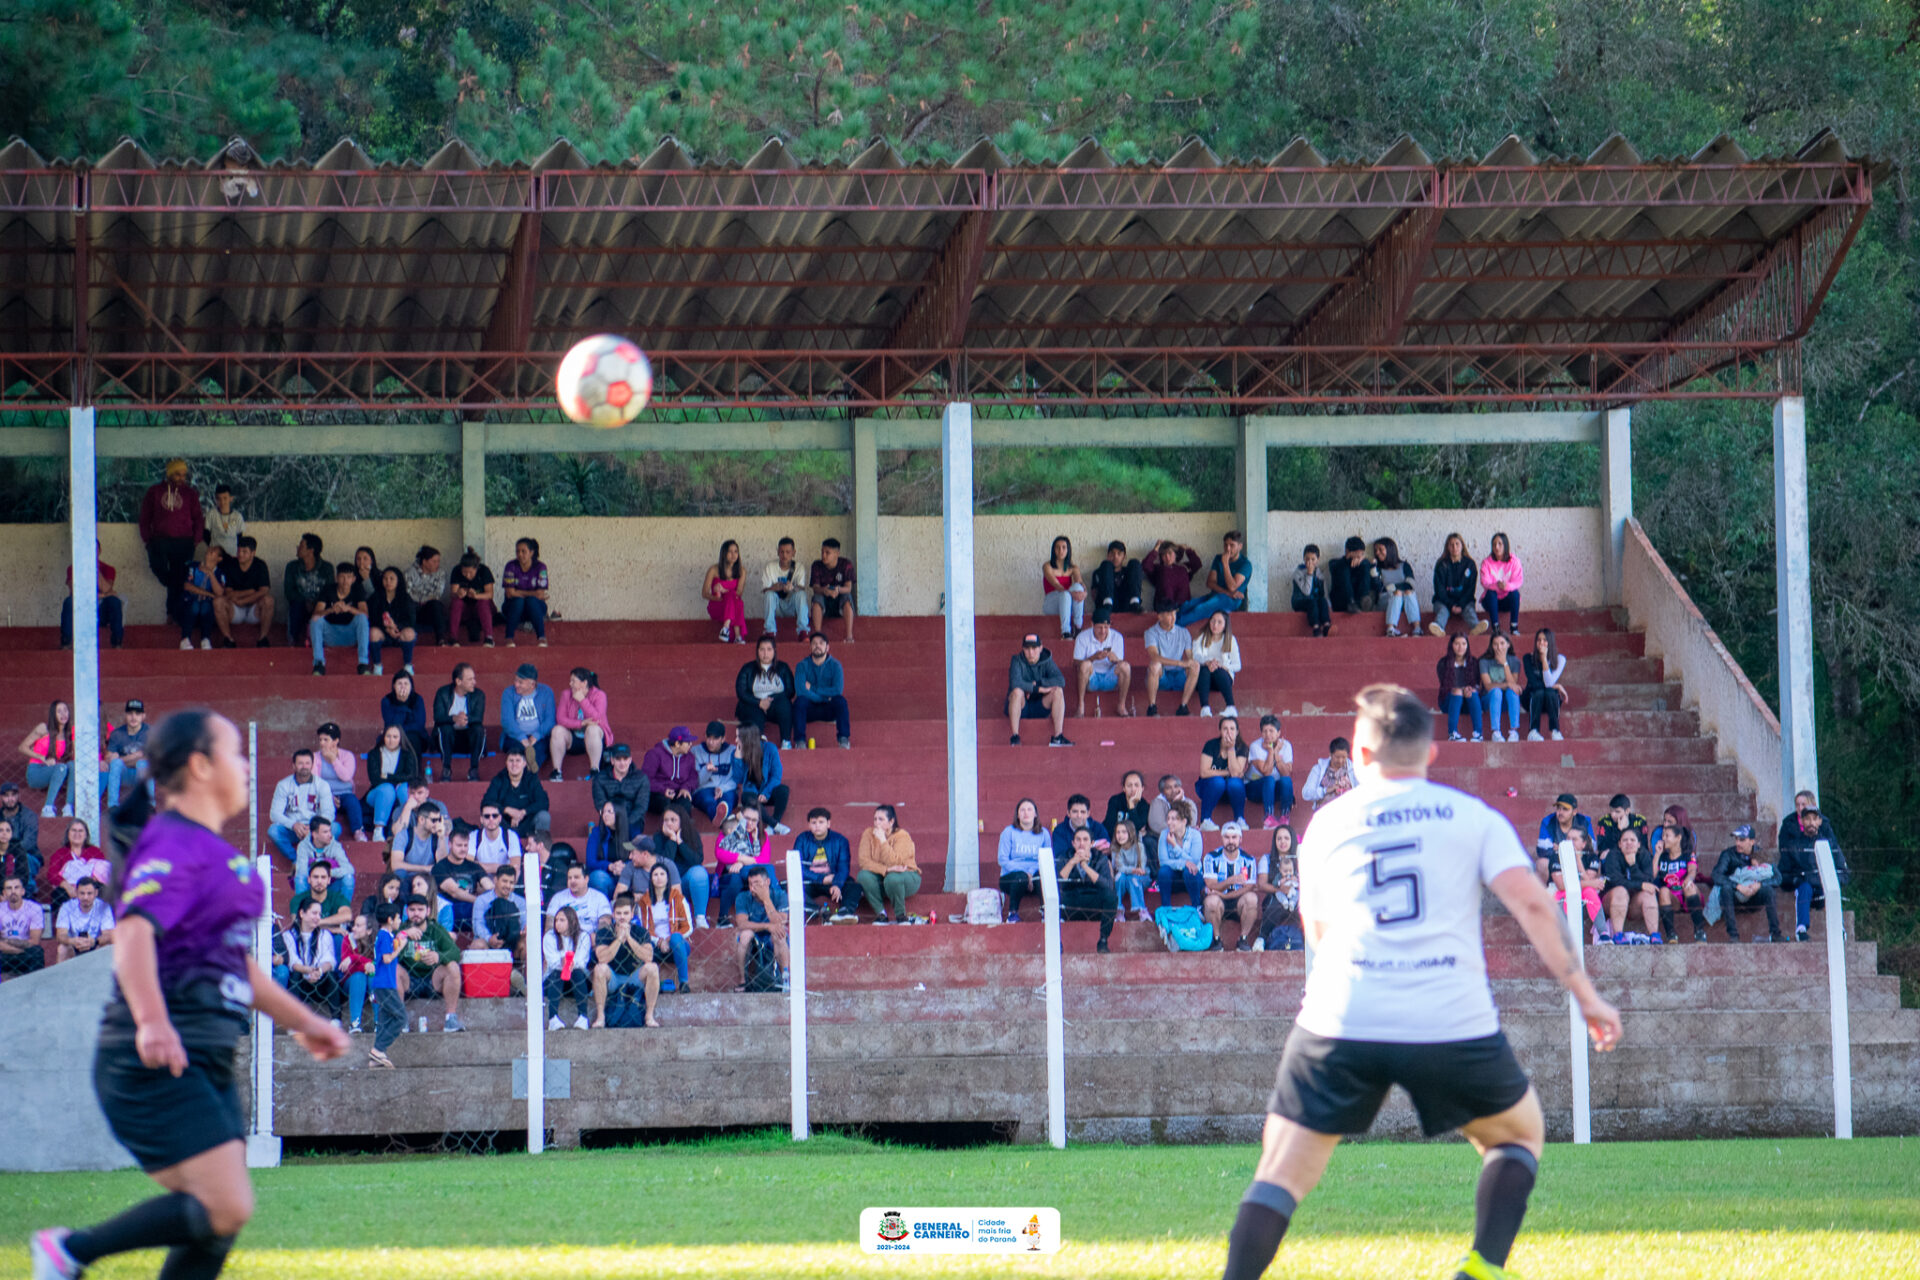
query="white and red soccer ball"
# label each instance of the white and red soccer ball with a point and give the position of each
(604, 381)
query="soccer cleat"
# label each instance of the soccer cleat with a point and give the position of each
(48, 1252)
(1475, 1267)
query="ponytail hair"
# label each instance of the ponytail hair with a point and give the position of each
(590, 678)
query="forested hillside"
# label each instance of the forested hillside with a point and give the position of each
(508, 76)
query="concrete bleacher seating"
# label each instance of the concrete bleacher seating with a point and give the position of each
(1723, 1039)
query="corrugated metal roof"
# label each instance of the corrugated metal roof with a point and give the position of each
(346, 257)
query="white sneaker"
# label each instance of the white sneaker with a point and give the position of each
(700, 922)
(554, 1023)
(49, 812)
(1557, 736)
(1209, 825)
(186, 644)
(1231, 711)
(206, 644)
(1478, 738)
(1534, 736)
(1207, 711)
(782, 829)
(1259, 944)
(1513, 735)
(580, 1023)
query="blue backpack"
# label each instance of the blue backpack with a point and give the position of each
(1183, 928)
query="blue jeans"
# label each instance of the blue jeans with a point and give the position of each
(1213, 790)
(707, 799)
(49, 778)
(383, 798)
(694, 880)
(348, 813)
(1196, 887)
(1803, 904)
(195, 612)
(806, 710)
(677, 944)
(1496, 699)
(406, 648)
(322, 633)
(1403, 605)
(112, 615)
(603, 881)
(1452, 707)
(118, 771)
(1493, 604)
(1133, 890)
(356, 997)
(1205, 607)
(526, 611)
(795, 604)
(1267, 790)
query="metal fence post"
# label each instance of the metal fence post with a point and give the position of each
(1056, 1014)
(1576, 1024)
(536, 1024)
(797, 994)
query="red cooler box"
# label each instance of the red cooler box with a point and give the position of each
(484, 975)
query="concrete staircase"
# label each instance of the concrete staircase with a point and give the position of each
(942, 1023)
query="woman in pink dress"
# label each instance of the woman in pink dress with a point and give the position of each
(722, 592)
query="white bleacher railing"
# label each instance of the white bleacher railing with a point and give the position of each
(535, 935)
(1577, 1025)
(1056, 1015)
(1840, 1027)
(797, 994)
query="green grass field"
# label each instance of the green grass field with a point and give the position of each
(762, 1208)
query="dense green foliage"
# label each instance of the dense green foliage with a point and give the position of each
(760, 1207)
(1141, 77)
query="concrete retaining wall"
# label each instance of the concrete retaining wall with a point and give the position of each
(47, 1108)
(1747, 731)
(652, 568)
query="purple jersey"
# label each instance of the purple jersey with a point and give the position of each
(202, 898)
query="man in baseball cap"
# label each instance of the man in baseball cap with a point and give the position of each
(527, 715)
(1559, 825)
(1036, 689)
(1743, 882)
(126, 748)
(1231, 873)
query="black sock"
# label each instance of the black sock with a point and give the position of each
(1264, 1214)
(1506, 1179)
(159, 1223)
(196, 1261)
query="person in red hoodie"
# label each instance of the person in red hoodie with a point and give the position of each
(172, 524)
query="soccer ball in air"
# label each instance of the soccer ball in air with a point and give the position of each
(604, 381)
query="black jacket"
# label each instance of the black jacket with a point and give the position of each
(443, 707)
(685, 854)
(529, 795)
(1614, 869)
(1797, 863)
(1730, 861)
(1031, 677)
(408, 771)
(743, 683)
(630, 793)
(1117, 809)
(1454, 582)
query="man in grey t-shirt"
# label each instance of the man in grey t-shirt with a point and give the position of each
(1170, 661)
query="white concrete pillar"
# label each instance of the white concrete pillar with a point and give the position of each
(963, 723)
(866, 517)
(83, 515)
(1616, 492)
(473, 486)
(1793, 588)
(1250, 488)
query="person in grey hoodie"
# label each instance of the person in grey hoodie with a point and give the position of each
(715, 789)
(1036, 689)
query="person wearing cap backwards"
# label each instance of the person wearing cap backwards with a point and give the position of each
(622, 785)
(671, 773)
(527, 716)
(1560, 825)
(1035, 688)
(1231, 875)
(126, 748)
(171, 524)
(1744, 881)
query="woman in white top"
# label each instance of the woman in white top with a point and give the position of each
(1270, 771)
(1332, 777)
(568, 952)
(669, 923)
(313, 962)
(1219, 657)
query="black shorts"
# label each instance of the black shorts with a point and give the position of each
(420, 986)
(831, 606)
(1034, 708)
(163, 1120)
(1337, 1086)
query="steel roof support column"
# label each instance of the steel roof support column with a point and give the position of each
(83, 512)
(1793, 587)
(963, 715)
(1616, 492)
(866, 516)
(1250, 488)
(473, 486)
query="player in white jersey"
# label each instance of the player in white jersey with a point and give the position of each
(1390, 881)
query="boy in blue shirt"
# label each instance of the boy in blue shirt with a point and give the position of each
(389, 1013)
(826, 867)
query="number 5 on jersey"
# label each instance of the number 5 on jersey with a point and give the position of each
(1397, 894)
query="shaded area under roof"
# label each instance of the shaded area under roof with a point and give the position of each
(453, 284)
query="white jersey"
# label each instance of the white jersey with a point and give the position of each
(1392, 871)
